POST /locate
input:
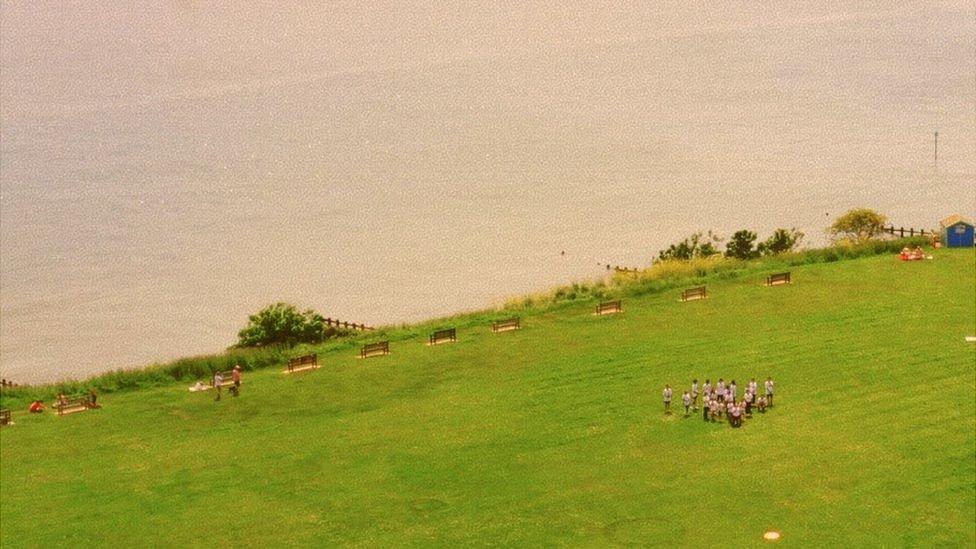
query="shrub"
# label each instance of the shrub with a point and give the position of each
(782, 241)
(282, 324)
(740, 245)
(697, 245)
(858, 226)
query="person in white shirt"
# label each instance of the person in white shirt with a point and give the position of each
(218, 383)
(667, 398)
(686, 400)
(769, 391)
(694, 394)
(732, 389)
(752, 386)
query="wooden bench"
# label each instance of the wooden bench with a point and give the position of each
(4, 417)
(609, 307)
(227, 379)
(375, 349)
(72, 405)
(506, 325)
(778, 278)
(302, 363)
(441, 336)
(694, 294)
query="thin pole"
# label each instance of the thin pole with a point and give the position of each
(936, 151)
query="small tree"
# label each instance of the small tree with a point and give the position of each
(740, 245)
(697, 245)
(858, 225)
(282, 324)
(782, 241)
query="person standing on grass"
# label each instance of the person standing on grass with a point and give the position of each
(769, 391)
(706, 389)
(667, 398)
(747, 399)
(706, 406)
(732, 390)
(720, 387)
(694, 394)
(236, 376)
(218, 382)
(686, 399)
(752, 386)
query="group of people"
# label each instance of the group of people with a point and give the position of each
(912, 255)
(218, 382)
(722, 400)
(37, 406)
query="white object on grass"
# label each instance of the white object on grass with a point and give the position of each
(771, 535)
(971, 339)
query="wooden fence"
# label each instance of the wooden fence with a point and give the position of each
(902, 232)
(347, 325)
(5, 383)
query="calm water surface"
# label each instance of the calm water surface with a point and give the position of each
(168, 168)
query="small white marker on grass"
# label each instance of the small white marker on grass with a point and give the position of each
(771, 535)
(971, 339)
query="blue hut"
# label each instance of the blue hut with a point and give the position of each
(957, 232)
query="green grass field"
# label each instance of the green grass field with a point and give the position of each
(553, 435)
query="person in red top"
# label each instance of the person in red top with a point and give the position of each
(236, 376)
(36, 407)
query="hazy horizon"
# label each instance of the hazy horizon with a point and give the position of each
(168, 168)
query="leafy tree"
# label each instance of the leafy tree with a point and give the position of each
(697, 245)
(740, 245)
(858, 225)
(282, 324)
(782, 241)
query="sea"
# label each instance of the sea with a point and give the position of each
(168, 168)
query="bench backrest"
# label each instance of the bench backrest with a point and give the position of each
(442, 335)
(303, 361)
(228, 377)
(75, 402)
(374, 348)
(694, 292)
(778, 278)
(608, 306)
(4, 417)
(507, 323)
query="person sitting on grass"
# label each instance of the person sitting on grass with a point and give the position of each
(686, 400)
(761, 403)
(906, 254)
(917, 253)
(667, 398)
(36, 407)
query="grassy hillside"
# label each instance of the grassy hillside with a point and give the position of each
(553, 434)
